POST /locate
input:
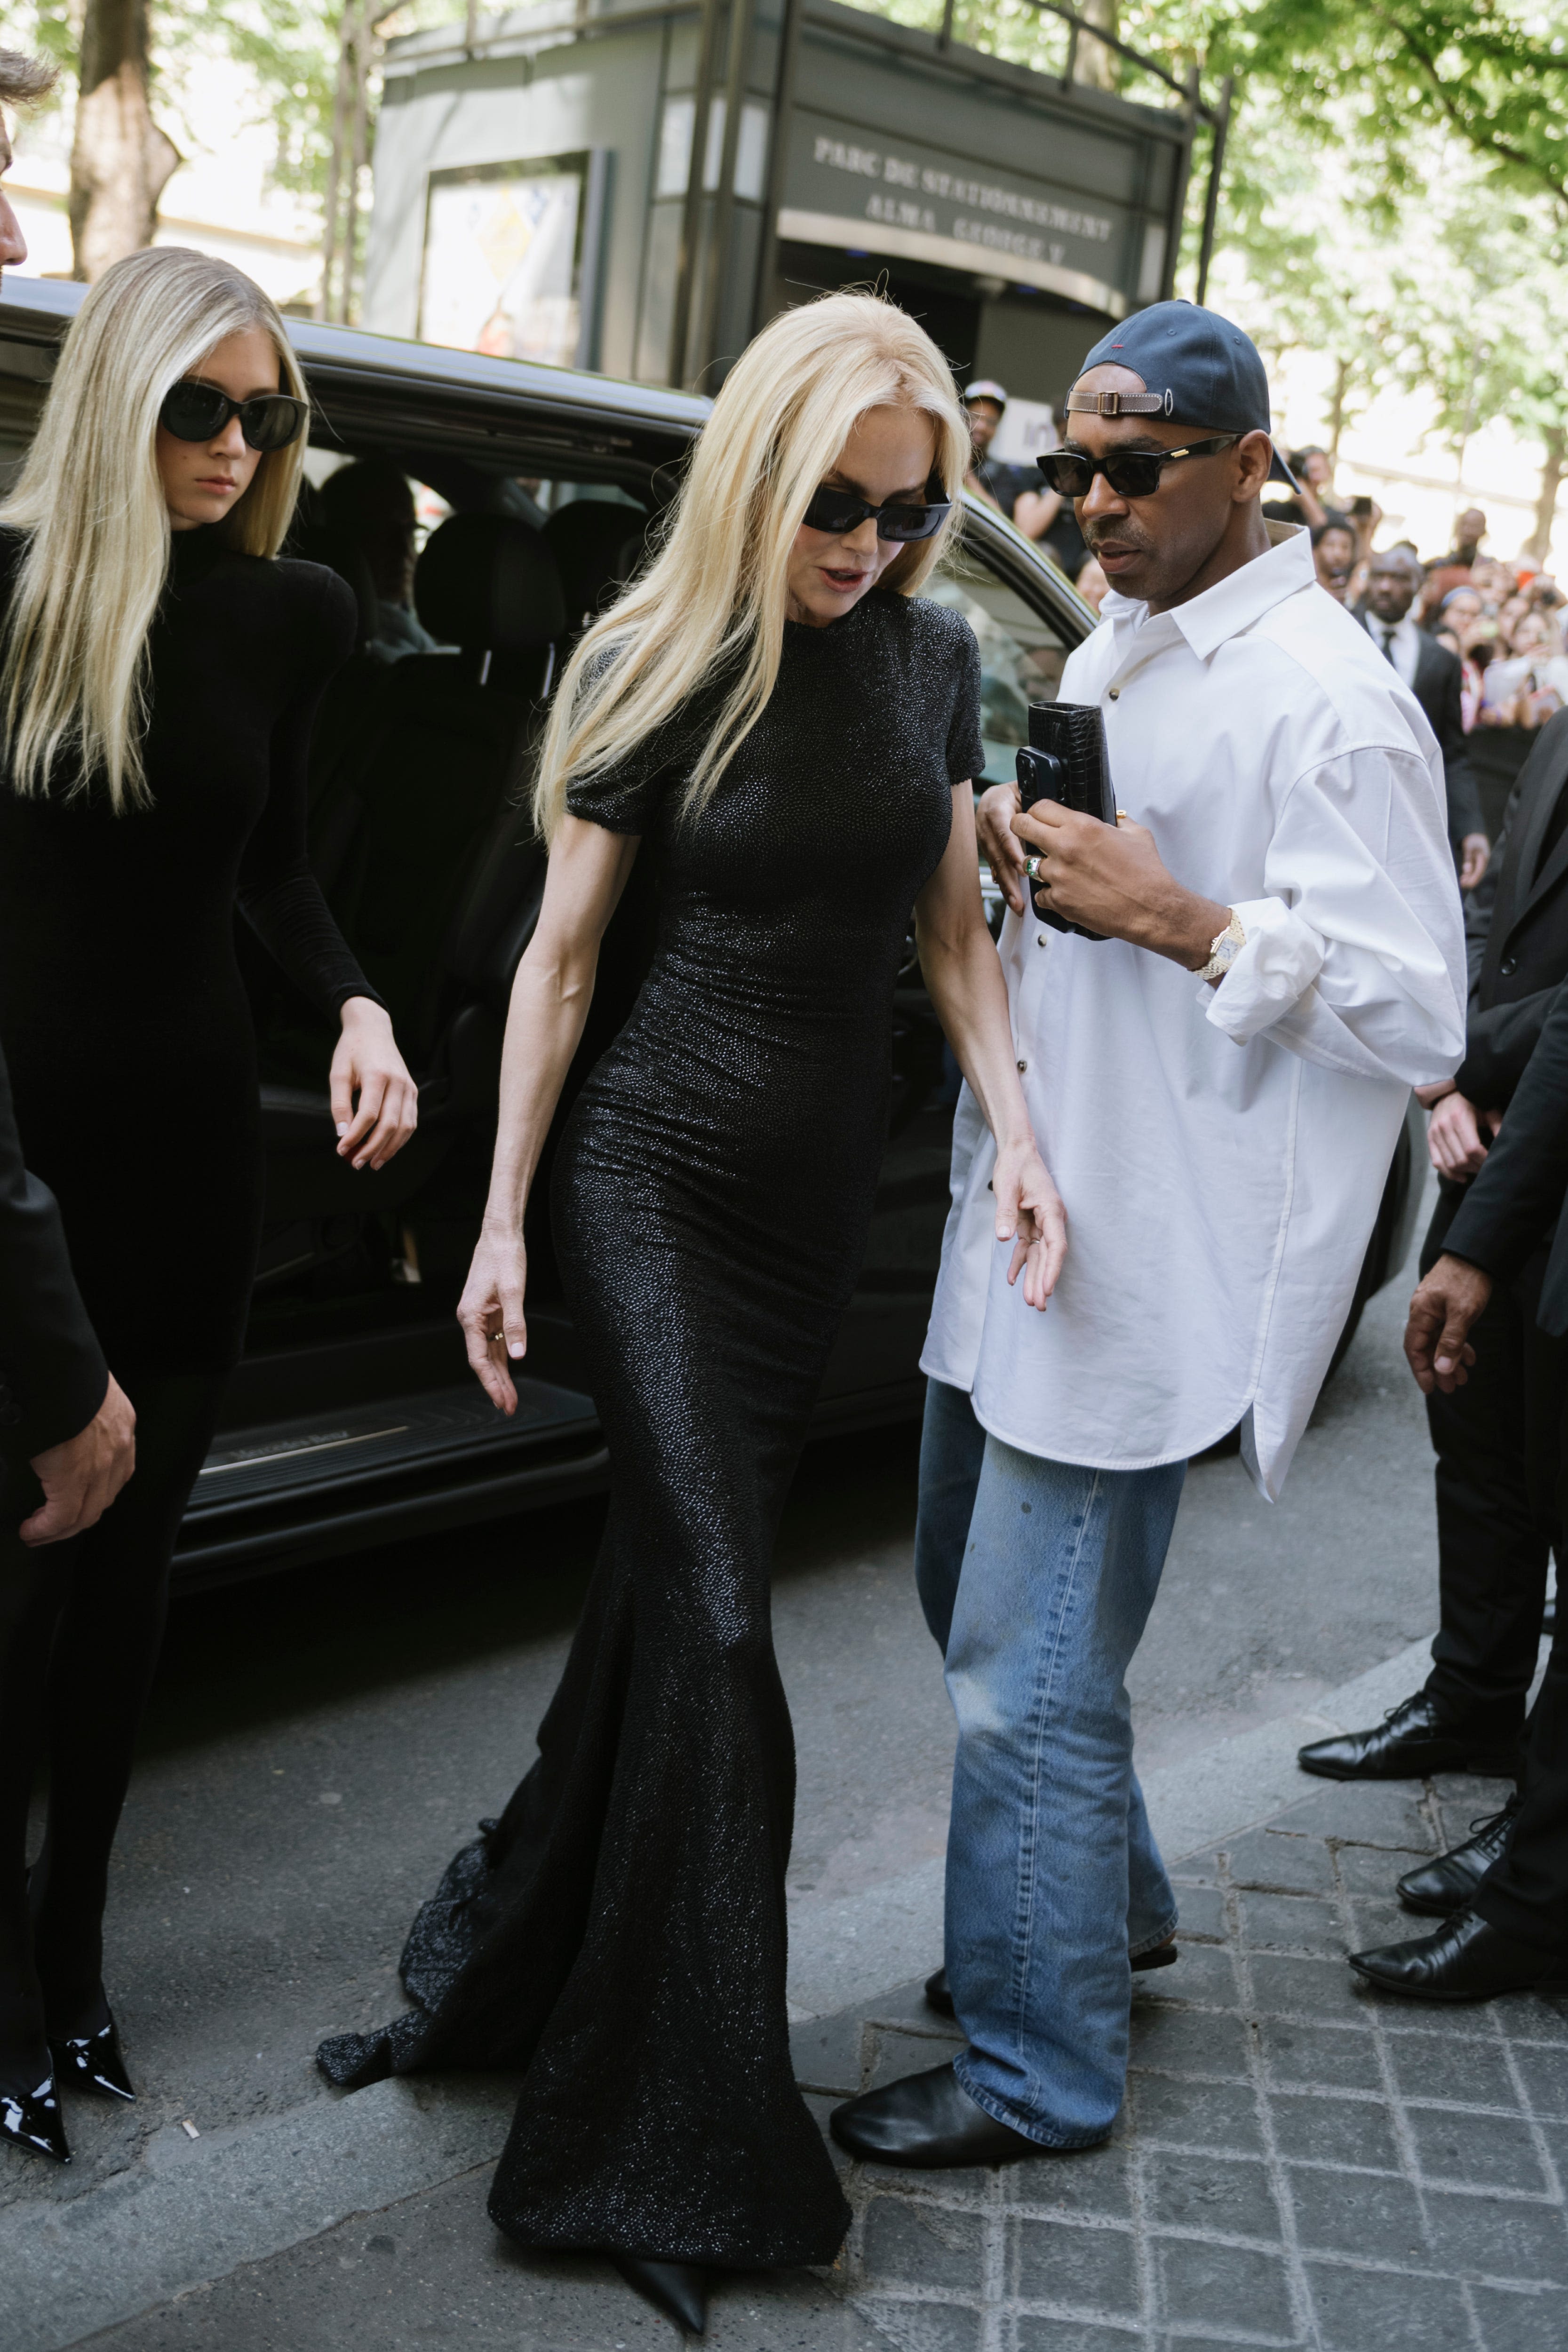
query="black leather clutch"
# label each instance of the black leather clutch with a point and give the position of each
(1066, 761)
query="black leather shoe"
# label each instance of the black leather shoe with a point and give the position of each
(1464, 1960)
(1158, 1955)
(92, 2061)
(927, 2121)
(678, 2289)
(34, 2122)
(1412, 1741)
(1446, 1884)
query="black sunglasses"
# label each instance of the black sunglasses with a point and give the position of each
(841, 511)
(1131, 473)
(194, 411)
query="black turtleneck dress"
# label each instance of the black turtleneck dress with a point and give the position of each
(122, 1015)
(619, 1933)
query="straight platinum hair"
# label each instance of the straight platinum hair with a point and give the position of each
(717, 592)
(73, 683)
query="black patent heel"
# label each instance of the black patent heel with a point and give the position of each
(34, 2123)
(92, 2061)
(678, 2289)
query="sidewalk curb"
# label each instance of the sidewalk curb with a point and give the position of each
(193, 2211)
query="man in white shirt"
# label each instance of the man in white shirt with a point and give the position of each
(1432, 673)
(1221, 1143)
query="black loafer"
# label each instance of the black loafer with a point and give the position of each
(1446, 1886)
(1467, 1959)
(928, 2121)
(1158, 1955)
(1412, 1741)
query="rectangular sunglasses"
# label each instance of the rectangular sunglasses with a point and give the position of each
(194, 411)
(841, 511)
(1131, 473)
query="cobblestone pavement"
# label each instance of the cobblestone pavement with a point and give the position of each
(1301, 2161)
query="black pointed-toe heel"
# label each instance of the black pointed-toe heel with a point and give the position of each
(678, 2289)
(92, 2061)
(34, 2122)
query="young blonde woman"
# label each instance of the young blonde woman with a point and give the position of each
(776, 731)
(159, 672)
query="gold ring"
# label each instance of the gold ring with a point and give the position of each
(1122, 817)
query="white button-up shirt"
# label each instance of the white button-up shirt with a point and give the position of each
(1399, 642)
(1221, 1152)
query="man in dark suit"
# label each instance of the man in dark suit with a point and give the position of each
(1433, 675)
(1507, 1930)
(66, 1427)
(1495, 1437)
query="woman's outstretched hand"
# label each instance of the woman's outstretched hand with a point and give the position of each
(490, 1312)
(1029, 1214)
(368, 1064)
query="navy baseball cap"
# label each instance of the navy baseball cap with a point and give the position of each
(1196, 367)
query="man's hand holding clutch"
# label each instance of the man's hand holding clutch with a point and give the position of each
(1112, 880)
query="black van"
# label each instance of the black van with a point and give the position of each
(354, 1417)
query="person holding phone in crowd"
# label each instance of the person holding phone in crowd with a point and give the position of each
(160, 669)
(783, 730)
(1219, 1074)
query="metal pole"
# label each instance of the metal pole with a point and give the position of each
(944, 38)
(723, 217)
(1211, 201)
(691, 216)
(778, 161)
(1179, 192)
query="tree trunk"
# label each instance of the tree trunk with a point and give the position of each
(1554, 441)
(1337, 409)
(1093, 63)
(121, 161)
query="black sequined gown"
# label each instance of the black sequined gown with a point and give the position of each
(620, 1931)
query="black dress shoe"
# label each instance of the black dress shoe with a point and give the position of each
(1467, 1959)
(1158, 1955)
(34, 2122)
(928, 2121)
(1446, 1884)
(1412, 1741)
(678, 2289)
(92, 2061)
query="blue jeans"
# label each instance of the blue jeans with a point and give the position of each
(1036, 1578)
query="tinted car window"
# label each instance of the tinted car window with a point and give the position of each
(1021, 654)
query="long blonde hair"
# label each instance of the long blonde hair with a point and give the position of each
(73, 683)
(717, 590)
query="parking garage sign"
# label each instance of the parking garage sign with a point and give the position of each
(852, 190)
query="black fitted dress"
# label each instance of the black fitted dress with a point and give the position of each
(620, 1931)
(123, 1014)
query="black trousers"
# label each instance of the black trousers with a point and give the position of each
(1498, 1509)
(81, 1627)
(1525, 1894)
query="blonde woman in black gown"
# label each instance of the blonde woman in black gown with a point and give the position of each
(776, 729)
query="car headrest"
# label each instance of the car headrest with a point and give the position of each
(325, 543)
(598, 545)
(488, 583)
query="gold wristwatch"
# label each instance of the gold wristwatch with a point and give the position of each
(1223, 949)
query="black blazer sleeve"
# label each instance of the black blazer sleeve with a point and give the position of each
(53, 1377)
(1498, 1043)
(1511, 1206)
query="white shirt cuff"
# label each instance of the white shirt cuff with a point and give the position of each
(1273, 971)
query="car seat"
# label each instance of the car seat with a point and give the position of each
(599, 545)
(402, 823)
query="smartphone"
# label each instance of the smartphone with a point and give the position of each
(1362, 506)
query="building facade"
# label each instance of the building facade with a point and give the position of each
(638, 188)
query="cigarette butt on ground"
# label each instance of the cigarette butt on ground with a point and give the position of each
(188, 2128)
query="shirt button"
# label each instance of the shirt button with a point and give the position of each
(1023, 1065)
(1043, 940)
(1115, 693)
(1508, 967)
